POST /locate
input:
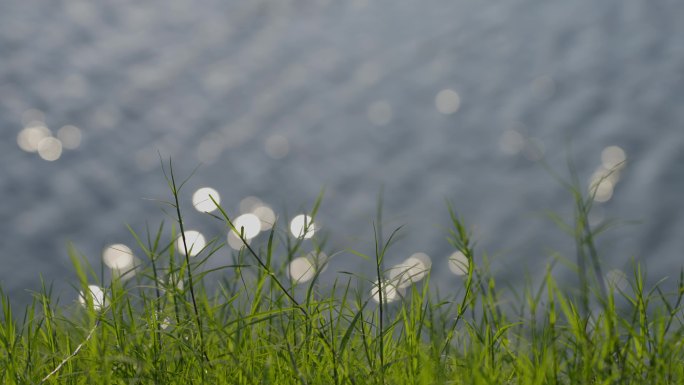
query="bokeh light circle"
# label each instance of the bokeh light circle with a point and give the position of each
(447, 101)
(266, 216)
(302, 226)
(458, 263)
(118, 256)
(249, 223)
(50, 148)
(301, 269)
(202, 201)
(390, 292)
(195, 243)
(97, 295)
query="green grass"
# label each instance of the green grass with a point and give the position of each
(246, 322)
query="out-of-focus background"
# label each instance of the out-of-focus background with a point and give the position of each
(430, 100)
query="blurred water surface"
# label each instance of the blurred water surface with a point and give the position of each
(429, 100)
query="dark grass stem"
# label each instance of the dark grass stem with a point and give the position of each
(175, 190)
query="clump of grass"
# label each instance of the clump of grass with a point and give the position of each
(260, 325)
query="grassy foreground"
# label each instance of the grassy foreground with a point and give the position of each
(171, 324)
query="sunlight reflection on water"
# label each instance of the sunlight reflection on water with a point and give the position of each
(302, 226)
(117, 256)
(195, 243)
(266, 216)
(202, 201)
(410, 271)
(234, 241)
(390, 292)
(96, 294)
(50, 148)
(603, 181)
(248, 225)
(301, 270)
(458, 263)
(447, 101)
(121, 260)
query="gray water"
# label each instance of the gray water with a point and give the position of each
(280, 99)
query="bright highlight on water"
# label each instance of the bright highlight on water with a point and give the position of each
(603, 181)
(447, 101)
(302, 226)
(304, 269)
(120, 259)
(301, 270)
(390, 292)
(613, 157)
(266, 216)
(36, 137)
(234, 241)
(412, 270)
(29, 138)
(96, 294)
(458, 263)
(50, 148)
(195, 243)
(249, 225)
(118, 256)
(202, 201)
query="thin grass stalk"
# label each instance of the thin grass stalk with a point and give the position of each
(198, 318)
(379, 336)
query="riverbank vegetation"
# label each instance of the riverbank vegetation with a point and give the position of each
(160, 318)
